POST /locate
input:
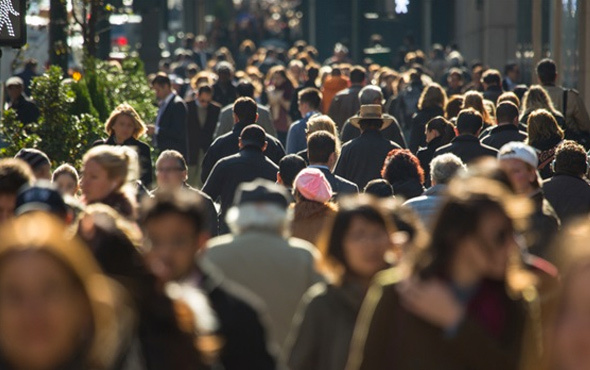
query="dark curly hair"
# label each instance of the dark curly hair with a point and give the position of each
(401, 164)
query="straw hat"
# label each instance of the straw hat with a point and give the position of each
(372, 111)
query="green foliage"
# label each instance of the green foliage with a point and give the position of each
(62, 136)
(82, 101)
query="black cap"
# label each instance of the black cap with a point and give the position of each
(261, 190)
(34, 157)
(41, 196)
(253, 135)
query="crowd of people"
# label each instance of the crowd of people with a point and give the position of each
(308, 215)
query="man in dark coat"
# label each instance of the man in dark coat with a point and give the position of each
(172, 174)
(362, 158)
(568, 190)
(321, 151)
(244, 115)
(249, 164)
(492, 84)
(346, 102)
(201, 122)
(26, 110)
(467, 146)
(507, 129)
(175, 224)
(169, 131)
(371, 94)
(224, 90)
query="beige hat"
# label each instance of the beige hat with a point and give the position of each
(372, 111)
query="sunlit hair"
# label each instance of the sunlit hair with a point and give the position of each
(541, 125)
(125, 109)
(41, 234)
(119, 162)
(68, 170)
(401, 164)
(322, 122)
(331, 242)
(474, 99)
(537, 98)
(508, 96)
(266, 217)
(432, 96)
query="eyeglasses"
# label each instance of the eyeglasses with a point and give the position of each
(169, 169)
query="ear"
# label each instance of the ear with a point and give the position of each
(332, 160)
(240, 145)
(265, 146)
(202, 240)
(256, 119)
(279, 179)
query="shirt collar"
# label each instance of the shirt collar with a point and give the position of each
(319, 166)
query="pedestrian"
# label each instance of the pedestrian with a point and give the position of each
(309, 100)
(313, 207)
(443, 169)
(26, 110)
(58, 310)
(507, 128)
(362, 158)
(316, 123)
(175, 228)
(439, 131)
(403, 171)
(492, 85)
(279, 89)
(466, 144)
(244, 114)
(568, 190)
(346, 102)
(334, 83)
(537, 98)
(247, 165)
(224, 90)
(109, 177)
(38, 161)
(289, 168)
(169, 131)
(14, 174)
(379, 188)
(544, 134)
(66, 179)
(520, 162)
(355, 249)
(475, 100)
(261, 257)
(431, 104)
(451, 300)
(125, 127)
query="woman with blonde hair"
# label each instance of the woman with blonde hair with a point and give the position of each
(474, 99)
(537, 98)
(544, 134)
(109, 177)
(432, 103)
(320, 122)
(125, 127)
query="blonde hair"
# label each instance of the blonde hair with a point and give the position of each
(541, 125)
(120, 162)
(474, 99)
(127, 110)
(537, 98)
(322, 122)
(432, 96)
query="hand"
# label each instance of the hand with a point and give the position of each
(432, 301)
(151, 130)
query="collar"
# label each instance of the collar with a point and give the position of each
(371, 132)
(435, 189)
(319, 166)
(466, 138)
(166, 101)
(505, 126)
(238, 127)
(309, 114)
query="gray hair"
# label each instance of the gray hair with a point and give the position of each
(444, 167)
(369, 94)
(265, 217)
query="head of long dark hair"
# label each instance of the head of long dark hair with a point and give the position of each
(444, 127)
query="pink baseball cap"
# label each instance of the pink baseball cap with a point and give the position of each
(313, 185)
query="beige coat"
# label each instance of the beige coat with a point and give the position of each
(277, 270)
(576, 115)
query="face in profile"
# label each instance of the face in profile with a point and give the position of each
(366, 244)
(44, 313)
(96, 184)
(172, 244)
(572, 330)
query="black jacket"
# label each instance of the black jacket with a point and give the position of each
(493, 93)
(242, 324)
(143, 152)
(172, 132)
(26, 110)
(468, 148)
(248, 165)
(228, 144)
(503, 134)
(569, 195)
(419, 121)
(224, 93)
(393, 133)
(407, 189)
(362, 159)
(544, 225)
(200, 134)
(340, 186)
(425, 155)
